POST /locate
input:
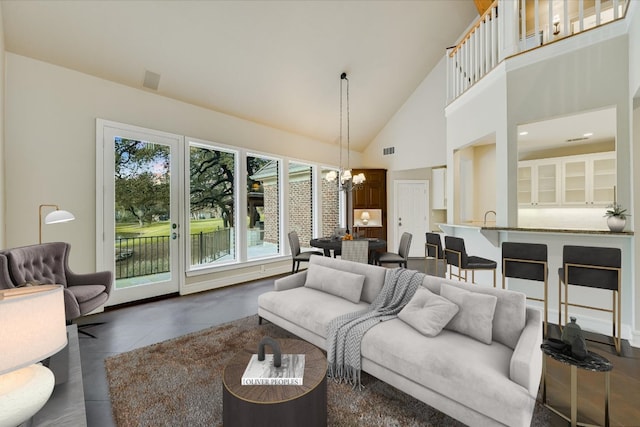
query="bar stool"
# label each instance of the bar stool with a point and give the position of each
(593, 267)
(433, 250)
(527, 261)
(456, 255)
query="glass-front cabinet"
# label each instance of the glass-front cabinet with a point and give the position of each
(581, 180)
(538, 182)
(589, 180)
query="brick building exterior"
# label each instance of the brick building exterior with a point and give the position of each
(300, 203)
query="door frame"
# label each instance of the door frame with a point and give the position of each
(105, 189)
(396, 204)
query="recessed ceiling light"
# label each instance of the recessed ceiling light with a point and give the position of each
(588, 134)
(523, 133)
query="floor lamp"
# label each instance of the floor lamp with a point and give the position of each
(33, 328)
(53, 217)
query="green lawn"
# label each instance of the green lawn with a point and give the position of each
(163, 228)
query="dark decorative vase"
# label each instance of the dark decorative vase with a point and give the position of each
(573, 336)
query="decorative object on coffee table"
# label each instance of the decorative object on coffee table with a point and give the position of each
(277, 405)
(274, 369)
(591, 362)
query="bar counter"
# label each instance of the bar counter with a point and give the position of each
(486, 241)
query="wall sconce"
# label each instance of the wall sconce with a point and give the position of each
(33, 328)
(556, 25)
(53, 217)
(365, 217)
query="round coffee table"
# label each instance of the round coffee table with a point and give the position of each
(276, 405)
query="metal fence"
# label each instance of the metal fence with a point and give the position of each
(143, 256)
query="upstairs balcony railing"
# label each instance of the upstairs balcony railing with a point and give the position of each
(509, 27)
(475, 55)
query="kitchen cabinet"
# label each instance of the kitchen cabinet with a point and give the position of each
(372, 195)
(538, 182)
(589, 180)
(581, 180)
(439, 188)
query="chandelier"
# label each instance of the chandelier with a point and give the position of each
(347, 181)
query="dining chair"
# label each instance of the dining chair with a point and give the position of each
(457, 256)
(402, 257)
(356, 251)
(527, 261)
(296, 255)
(338, 233)
(593, 267)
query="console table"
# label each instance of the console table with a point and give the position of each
(65, 407)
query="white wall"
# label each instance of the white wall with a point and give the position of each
(50, 141)
(634, 48)
(2, 155)
(480, 115)
(634, 94)
(585, 79)
(417, 130)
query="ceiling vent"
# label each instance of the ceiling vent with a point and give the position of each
(151, 80)
(389, 150)
(582, 138)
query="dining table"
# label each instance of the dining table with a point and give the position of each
(331, 244)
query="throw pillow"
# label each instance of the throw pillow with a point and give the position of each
(475, 317)
(335, 282)
(427, 312)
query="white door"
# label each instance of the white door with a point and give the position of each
(411, 214)
(138, 197)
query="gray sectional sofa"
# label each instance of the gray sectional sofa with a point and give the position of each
(474, 382)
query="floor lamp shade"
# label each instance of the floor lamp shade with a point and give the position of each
(57, 216)
(54, 217)
(33, 328)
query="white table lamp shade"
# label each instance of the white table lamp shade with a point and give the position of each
(32, 328)
(33, 325)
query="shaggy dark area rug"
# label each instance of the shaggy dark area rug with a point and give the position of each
(178, 383)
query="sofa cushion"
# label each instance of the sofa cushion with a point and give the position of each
(465, 370)
(309, 308)
(475, 314)
(373, 274)
(427, 312)
(511, 309)
(335, 282)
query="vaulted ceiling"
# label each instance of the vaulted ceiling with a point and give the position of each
(273, 62)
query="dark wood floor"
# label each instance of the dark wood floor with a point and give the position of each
(135, 326)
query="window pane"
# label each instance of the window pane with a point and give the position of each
(301, 202)
(330, 200)
(142, 199)
(212, 206)
(263, 207)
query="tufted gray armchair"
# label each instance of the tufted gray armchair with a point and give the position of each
(48, 263)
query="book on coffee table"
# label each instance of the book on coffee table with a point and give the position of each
(290, 372)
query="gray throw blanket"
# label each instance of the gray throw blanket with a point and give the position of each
(345, 332)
